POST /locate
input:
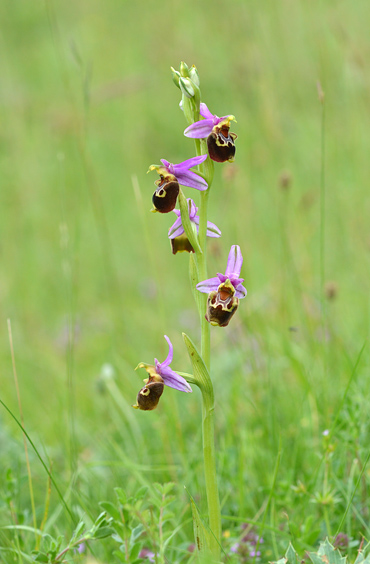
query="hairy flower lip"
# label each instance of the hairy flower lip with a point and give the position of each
(232, 273)
(222, 304)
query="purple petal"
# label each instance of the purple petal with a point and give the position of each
(193, 209)
(174, 380)
(204, 111)
(176, 229)
(199, 129)
(191, 179)
(208, 285)
(165, 163)
(168, 360)
(222, 277)
(212, 230)
(240, 292)
(234, 262)
(185, 165)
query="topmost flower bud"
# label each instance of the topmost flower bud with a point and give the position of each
(193, 73)
(184, 69)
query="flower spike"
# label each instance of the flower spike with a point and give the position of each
(220, 141)
(160, 375)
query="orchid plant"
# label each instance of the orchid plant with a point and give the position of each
(217, 298)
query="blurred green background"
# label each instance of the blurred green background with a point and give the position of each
(87, 278)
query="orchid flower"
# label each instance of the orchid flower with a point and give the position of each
(220, 141)
(170, 176)
(224, 290)
(160, 375)
(176, 233)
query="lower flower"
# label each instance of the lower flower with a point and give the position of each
(160, 375)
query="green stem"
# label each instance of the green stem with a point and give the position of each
(214, 510)
(206, 386)
(207, 169)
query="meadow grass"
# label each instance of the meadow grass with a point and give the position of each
(90, 286)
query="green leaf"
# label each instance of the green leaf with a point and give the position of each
(200, 372)
(201, 535)
(41, 557)
(327, 554)
(135, 551)
(103, 532)
(194, 279)
(291, 555)
(121, 496)
(361, 558)
(289, 558)
(78, 530)
(136, 532)
(100, 520)
(111, 509)
(141, 492)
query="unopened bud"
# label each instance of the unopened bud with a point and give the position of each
(186, 87)
(193, 73)
(184, 69)
(175, 77)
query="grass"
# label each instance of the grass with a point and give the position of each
(90, 286)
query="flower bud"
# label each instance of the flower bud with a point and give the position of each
(187, 87)
(194, 75)
(184, 69)
(220, 143)
(148, 397)
(175, 77)
(222, 304)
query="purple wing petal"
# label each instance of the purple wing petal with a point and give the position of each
(168, 360)
(199, 129)
(209, 285)
(165, 163)
(174, 380)
(185, 165)
(240, 292)
(212, 230)
(176, 229)
(191, 179)
(204, 111)
(193, 209)
(234, 262)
